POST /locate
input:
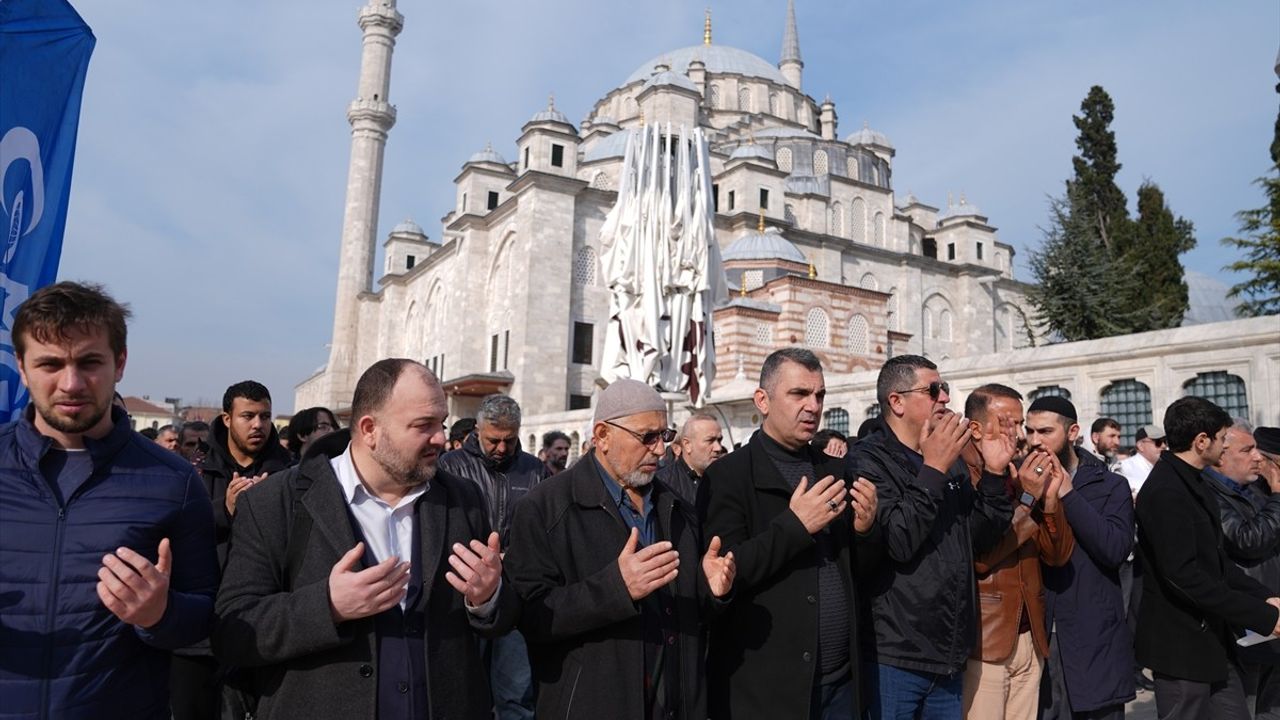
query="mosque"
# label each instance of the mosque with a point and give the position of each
(818, 249)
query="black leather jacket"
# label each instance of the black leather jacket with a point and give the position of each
(503, 484)
(1250, 529)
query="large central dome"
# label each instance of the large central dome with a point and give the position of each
(717, 58)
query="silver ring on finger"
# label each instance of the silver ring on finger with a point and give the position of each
(1039, 471)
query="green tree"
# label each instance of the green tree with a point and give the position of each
(1260, 241)
(1154, 289)
(1075, 294)
(1098, 197)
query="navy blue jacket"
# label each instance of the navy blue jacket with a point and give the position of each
(62, 653)
(1083, 597)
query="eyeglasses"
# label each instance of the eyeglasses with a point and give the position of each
(650, 438)
(935, 388)
(325, 426)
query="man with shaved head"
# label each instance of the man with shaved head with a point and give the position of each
(615, 576)
(701, 443)
(358, 580)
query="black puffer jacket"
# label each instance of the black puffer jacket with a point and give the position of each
(502, 484)
(923, 594)
(218, 468)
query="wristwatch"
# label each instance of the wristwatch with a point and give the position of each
(1027, 499)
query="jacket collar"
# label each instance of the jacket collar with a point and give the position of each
(33, 445)
(588, 491)
(471, 446)
(273, 457)
(766, 476)
(1089, 468)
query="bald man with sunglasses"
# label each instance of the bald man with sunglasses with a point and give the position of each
(934, 522)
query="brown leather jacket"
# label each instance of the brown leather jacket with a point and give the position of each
(1009, 578)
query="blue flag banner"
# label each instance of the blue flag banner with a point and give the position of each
(44, 55)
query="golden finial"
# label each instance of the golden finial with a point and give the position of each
(813, 272)
(641, 118)
(742, 288)
(706, 29)
(760, 225)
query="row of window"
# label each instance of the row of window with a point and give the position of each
(1128, 402)
(817, 332)
(744, 97)
(785, 159)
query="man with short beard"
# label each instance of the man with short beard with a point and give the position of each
(555, 451)
(615, 583)
(1091, 649)
(1104, 435)
(797, 521)
(359, 580)
(106, 540)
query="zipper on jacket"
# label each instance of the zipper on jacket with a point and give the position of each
(55, 577)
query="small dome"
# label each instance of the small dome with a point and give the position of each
(550, 114)
(751, 151)
(489, 155)
(767, 245)
(672, 79)
(867, 136)
(964, 208)
(408, 227)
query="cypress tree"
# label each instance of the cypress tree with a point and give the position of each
(1155, 292)
(1260, 239)
(1098, 197)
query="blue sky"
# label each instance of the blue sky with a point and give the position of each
(213, 141)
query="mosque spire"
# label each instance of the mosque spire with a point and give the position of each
(706, 29)
(790, 64)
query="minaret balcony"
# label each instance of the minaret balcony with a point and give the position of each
(379, 112)
(381, 16)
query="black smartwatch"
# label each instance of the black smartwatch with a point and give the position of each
(1027, 499)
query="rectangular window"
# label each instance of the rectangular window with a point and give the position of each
(715, 198)
(557, 155)
(464, 202)
(579, 402)
(764, 199)
(526, 158)
(493, 353)
(929, 247)
(493, 200)
(979, 251)
(731, 203)
(440, 371)
(583, 342)
(951, 251)
(506, 348)
(409, 261)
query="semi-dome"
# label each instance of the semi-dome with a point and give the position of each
(763, 245)
(719, 59)
(867, 136)
(671, 79)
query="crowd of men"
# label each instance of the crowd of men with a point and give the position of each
(938, 565)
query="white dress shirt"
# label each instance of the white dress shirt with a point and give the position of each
(1135, 469)
(387, 530)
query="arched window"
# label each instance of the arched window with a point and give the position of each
(763, 335)
(753, 279)
(831, 220)
(895, 310)
(851, 167)
(600, 181)
(836, 419)
(1129, 402)
(821, 163)
(858, 220)
(858, 336)
(944, 325)
(875, 173)
(873, 410)
(783, 157)
(775, 105)
(869, 282)
(1223, 389)
(584, 267)
(789, 214)
(837, 220)
(713, 97)
(879, 229)
(575, 446)
(1048, 391)
(744, 98)
(817, 328)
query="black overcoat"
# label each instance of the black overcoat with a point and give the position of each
(584, 632)
(1194, 598)
(306, 665)
(764, 646)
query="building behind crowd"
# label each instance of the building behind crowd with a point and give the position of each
(819, 250)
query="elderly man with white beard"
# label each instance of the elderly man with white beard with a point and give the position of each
(615, 577)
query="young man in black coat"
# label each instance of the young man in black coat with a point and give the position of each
(795, 519)
(358, 581)
(1195, 599)
(615, 581)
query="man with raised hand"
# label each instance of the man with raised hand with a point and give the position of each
(797, 522)
(359, 580)
(616, 579)
(106, 539)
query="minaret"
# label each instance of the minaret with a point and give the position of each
(791, 65)
(371, 116)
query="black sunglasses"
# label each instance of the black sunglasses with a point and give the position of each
(935, 388)
(650, 438)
